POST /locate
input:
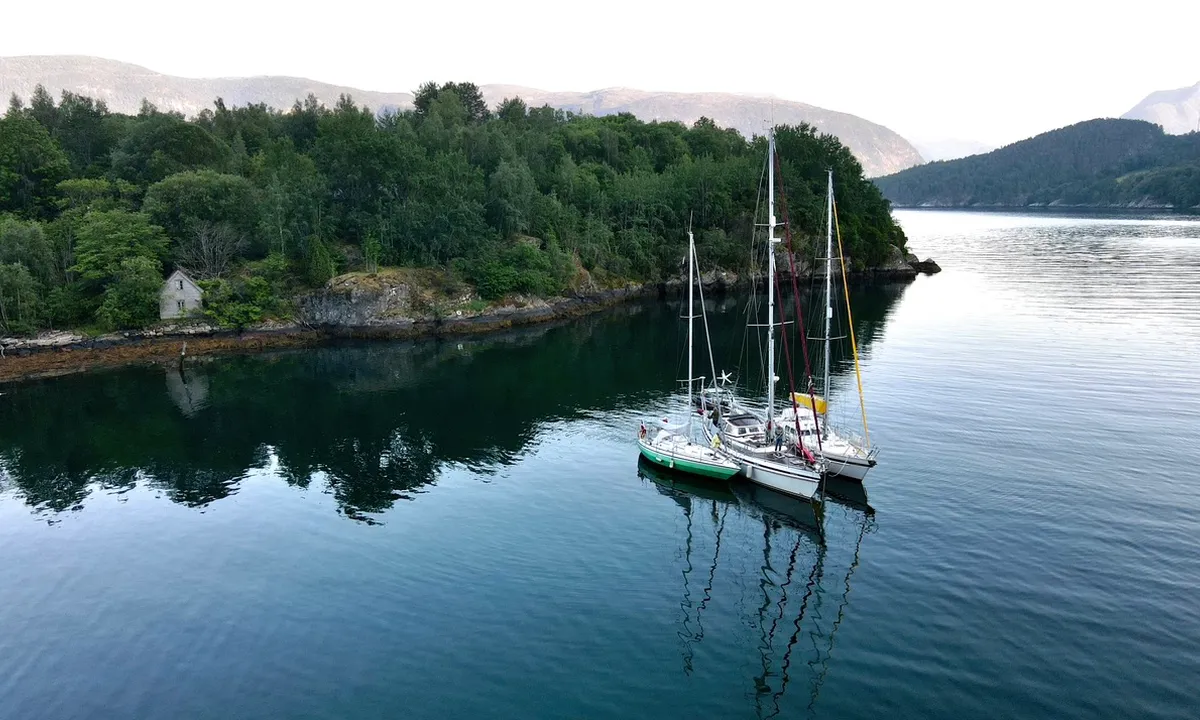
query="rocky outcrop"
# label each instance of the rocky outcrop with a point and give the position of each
(343, 303)
(927, 266)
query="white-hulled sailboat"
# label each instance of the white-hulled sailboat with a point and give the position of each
(787, 467)
(674, 447)
(845, 456)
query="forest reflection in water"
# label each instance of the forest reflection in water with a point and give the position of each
(369, 423)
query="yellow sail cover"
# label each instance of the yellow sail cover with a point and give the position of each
(806, 401)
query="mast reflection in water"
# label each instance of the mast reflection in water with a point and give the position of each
(794, 638)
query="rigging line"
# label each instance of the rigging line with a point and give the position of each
(686, 603)
(763, 584)
(814, 583)
(704, 318)
(752, 304)
(712, 571)
(862, 402)
(787, 234)
(841, 613)
(787, 353)
(782, 604)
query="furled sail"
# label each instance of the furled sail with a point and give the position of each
(806, 401)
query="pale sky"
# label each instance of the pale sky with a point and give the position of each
(928, 69)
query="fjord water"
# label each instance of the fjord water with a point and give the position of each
(461, 528)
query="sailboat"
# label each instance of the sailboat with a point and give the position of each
(673, 447)
(790, 468)
(845, 456)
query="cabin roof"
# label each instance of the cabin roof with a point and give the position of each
(179, 275)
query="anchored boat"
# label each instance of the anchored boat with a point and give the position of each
(674, 446)
(761, 447)
(846, 455)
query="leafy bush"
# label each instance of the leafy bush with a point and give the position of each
(131, 300)
(519, 268)
(237, 303)
(261, 291)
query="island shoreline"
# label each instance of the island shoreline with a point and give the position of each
(29, 360)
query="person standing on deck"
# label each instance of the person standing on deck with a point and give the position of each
(778, 438)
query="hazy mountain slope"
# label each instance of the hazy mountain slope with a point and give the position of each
(880, 150)
(1177, 111)
(123, 86)
(950, 148)
(1100, 163)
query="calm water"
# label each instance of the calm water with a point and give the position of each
(446, 530)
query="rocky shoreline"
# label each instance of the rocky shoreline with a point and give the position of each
(340, 312)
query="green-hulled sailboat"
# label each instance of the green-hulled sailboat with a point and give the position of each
(673, 446)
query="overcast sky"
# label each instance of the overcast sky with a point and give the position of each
(929, 69)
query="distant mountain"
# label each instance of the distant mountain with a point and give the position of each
(123, 86)
(1177, 111)
(880, 150)
(950, 148)
(1098, 163)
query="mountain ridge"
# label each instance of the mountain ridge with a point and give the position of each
(123, 86)
(1177, 111)
(1096, 163)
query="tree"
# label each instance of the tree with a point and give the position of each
(291, 193)
(20, 299)
(512, 110)
(209, 250)
(422, 98)
(131, 300)
(31, 166)
(367, 170)
(512, 191)
(26, 243)
(468, 94)
(41, 108)
(159, 145)
(85, 132)
(187, 201)
(105, 239)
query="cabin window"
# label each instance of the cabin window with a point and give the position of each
(179, 304)
(180, 284)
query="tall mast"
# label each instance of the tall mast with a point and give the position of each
(691, 322)
(828, 288)
(771, 276)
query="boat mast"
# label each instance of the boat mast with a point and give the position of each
(828, 291)
(691, 322)
(771, 276)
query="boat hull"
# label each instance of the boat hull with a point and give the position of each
(671, 461)
(848, 468)
(779, 479)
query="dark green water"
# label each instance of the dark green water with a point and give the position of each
(436, 530)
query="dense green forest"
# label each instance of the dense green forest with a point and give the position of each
(259, 204)
(1094, 163)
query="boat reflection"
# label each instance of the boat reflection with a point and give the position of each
(793, 633)
(691, 492)
(848, 492)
